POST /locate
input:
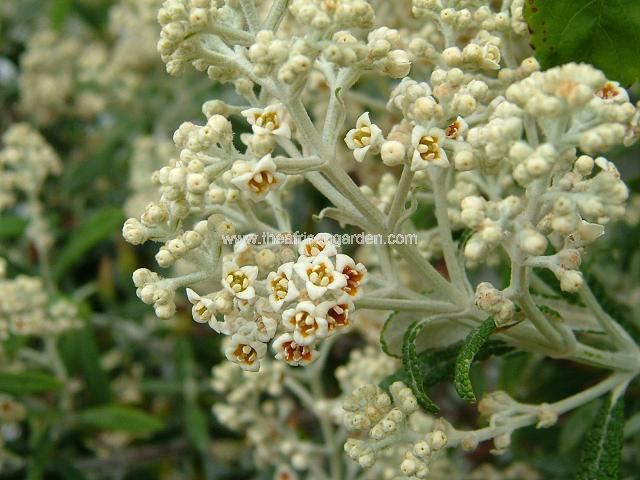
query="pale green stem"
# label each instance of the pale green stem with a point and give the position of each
(454, 268)
(400, 198)
(276, 14)
(609, 325)
(407, 305)
(251, 15)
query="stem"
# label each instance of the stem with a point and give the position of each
(437, 176)
(250, 14)
(431, 306)
(559, 408)
(276, 15)
(609, 325)
(400, 197)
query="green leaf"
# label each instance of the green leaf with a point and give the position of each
(603, 444)
(12, 226)
(41, 454)
(95, 229)
(472, 345)
(28, 382)
(438, 333)
(119, 418)
(600, 32)
(81, 356)
(412, 366)
(59, 12)
(576, 426)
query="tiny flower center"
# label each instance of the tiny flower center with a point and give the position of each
(261, 181)
(453, 130)
(268, 120)
(608, 91)
(202, 310)
(338, 317)
(237, 281)
(428, 148)
(280, 286)
(362, 137)
(305, 323)
(354, 279)
(319, 275)
(294, 352)
(245, 354)
(313, 248)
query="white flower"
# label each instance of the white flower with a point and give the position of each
(260, 180)
(490, 57)
(230, 325)
(203, 309)
(269, 120)
(336, 313)
(306, 324)
(246, 352)
(366, 137)
(319, 275)
(238, 280)
(281, 286)
(457, 129)
(354, 274)
(427, 149)
(612, 92)
(291, 352)
(320, 243)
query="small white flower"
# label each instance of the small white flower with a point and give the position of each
(291, 352)
(281, 286)
(269, 120)
(354, 274)
(203, 308)
(365, 138)
(260, 180)
(457, 129)
(612, 92)
(320, 243)
(336, 313)
(238, 280)
(319, 276)
(305, 323)
(427, 149)
(246, 352)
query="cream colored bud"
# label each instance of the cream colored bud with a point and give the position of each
(392, 153)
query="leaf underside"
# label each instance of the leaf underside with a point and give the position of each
(603, 33)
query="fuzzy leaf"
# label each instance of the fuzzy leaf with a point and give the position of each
(602, 33)
(603, 443)
(393, 331)
(472, 345)
(28, 382)
(412, 366)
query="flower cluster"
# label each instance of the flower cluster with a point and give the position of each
(27, 309)
(395, 421)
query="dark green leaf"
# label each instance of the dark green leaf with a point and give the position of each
(12, 226)
(472, 345)
(600, 32)
(412, 367)
(119, 418)
(95, 229)
(28, 382)
(576, 426)
(603, 445)
(40, 458)
(82, 356)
